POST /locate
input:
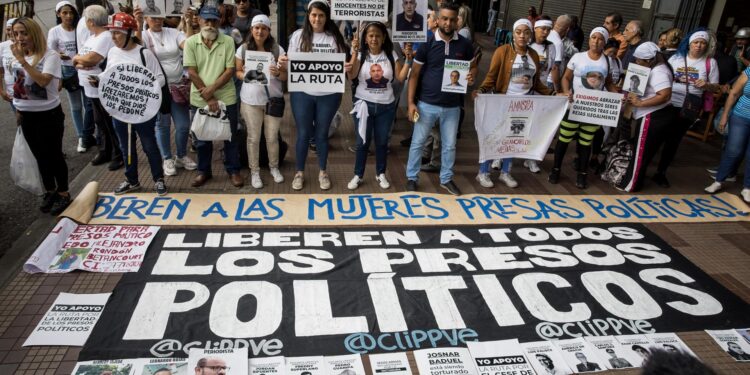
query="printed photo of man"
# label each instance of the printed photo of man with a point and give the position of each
(409, 19)
(548, 364)
(211, 366)
(376, 80)
(455, 76)
(177, 7)
(257, 75)
(151, 9)
(615, 361)
(585, 365)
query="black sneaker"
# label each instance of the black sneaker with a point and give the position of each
(554, 176)
(61, 203)
(581, 182)
(115, 164)
(429, 168)
(100, 159)
(161, 187)
(661, 180)
(451, 187)
(126, 187)
(48, 200)
(411, 185)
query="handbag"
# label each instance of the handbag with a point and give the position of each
(24, 170)
(211, 126)
(708, 97)
(274, 106)
(180, 91)
(71, 83)
(692, 106)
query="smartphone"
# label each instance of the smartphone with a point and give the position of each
(415, 118)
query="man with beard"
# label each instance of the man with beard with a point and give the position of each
(209, 59)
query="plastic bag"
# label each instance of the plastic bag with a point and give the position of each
(24, 170)
(208, 126)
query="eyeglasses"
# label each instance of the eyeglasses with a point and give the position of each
(217, 368)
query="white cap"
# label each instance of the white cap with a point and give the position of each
(62, 4)
(523, 21)
(543, 23)
(698, 35)
(600, 30)
(261, 19)
(9, 23)
(646, 51)
(317, 1)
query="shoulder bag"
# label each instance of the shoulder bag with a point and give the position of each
(692, 107)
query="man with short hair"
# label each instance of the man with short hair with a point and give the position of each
(211, 366)
(209, 59)
(584, 365)
(617, 362)
(633, 37)
(612, 23)
(409, 19)
(244, 14)
(556, 37)
(741, 49)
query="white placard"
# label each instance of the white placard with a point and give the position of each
(130, 93)
(257, 67)
(360, 10)
(732, 343)
(153, 8)
(389, 364)
(176, 366)
(580, 355)
(114, 366)
(669, 341)
(312, 365)
(636, 79)
(268, 366)
(42, 257)
(234, 360)
(69, 320)
(545, 358)
(745, 333)
(616, 355)
(444, 361)
(409, 22)
(320, 72)
(454, 76)
(499, 357)
(596, 107)
(350, 364)
(637, 344)
(176, 8)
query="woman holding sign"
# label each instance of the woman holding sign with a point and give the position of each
(313, 111)
(37, 71)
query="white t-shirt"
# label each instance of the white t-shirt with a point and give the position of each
(545, 62)
(27, 94)
(60, 40)
(659, 79)
(521, 75)
(695, 70)
(557, 42)
(587, 73)
(7, 59)
(118, 55)
(82, 32)
(99, 44)
(321, 42)
(380, 92)
(166, 46)
(255, 94)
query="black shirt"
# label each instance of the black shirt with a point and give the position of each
(416, 23)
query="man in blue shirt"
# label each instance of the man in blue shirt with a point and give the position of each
(429, 104)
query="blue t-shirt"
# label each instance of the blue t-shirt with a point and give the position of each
(742, 108)
(431, 55)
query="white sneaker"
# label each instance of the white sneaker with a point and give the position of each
(185, 162)
(484, 180)
(713, 188)
(496, 164)
(532, 165)
(382, 181)
(745, 195)
(354, 183)
(324, 180)
(255, 180)
(277, 176)
(169, 167)
(81, 146)
(299, 181)
(508, 180)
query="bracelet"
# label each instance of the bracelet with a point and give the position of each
(408, 62)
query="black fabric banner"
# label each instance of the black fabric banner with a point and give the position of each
(363, 290)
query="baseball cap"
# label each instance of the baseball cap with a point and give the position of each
(209, 12)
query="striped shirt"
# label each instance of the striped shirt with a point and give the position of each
(742, 108)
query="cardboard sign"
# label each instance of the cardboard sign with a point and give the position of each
(176, 8)
(454, 76)
(636, 79)
(637, 347)
(360, 10)
(320, 72)
(596, 107)
(257, 67)
(499, 357)
(732, 343)
(668, 341)
(130, 93)
(69, 320)
(409, 22)
(154, 8)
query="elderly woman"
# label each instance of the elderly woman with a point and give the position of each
(511, 67)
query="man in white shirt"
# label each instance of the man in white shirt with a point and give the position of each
(555, 36)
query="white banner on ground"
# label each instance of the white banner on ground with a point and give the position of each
(545, 358)
(732, 343)
(321, 72)
(499, 357)
(359, 10)
(517, 126)
(390, 364)
(130, 93)
(444, 361)
(409, 22)
(233, 359)
(596, 107)
(350, 364)
(69, 320)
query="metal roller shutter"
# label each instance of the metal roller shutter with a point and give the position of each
(596, 10)
(554, 8)
(519, 9)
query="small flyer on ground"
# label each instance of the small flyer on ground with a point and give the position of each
(163, 366)
(444, 361)
(389, 364)
(268, 366)
(636, 79)
(409, 22)
(670, 342)
(113, 367)
(733, 343)
(233, 361)
(610, 349)
(637, 344)
(359, 10)
(312, 365)
(499, 357)
(581, 356)
(745, 333)
(596, 107)
(69, 320)
(454, 76)
(258, 67)
(318, 72)
(545, 358)
(350, 364)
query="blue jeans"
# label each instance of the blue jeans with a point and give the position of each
(145, 131)
(504, 166)
(231, 148)
(428, 115)
(180, 113)
(379, 121)
(738, 144)
(89, 125)
(309, 109)
(76, 102)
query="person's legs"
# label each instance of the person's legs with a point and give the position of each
(586, 135)
(363, 145)
(163, 134)
(75, 99)
(89, 125)
(428, 114)
(303, 106)
(129, 156)
(448, 129)
(568, 131)
(231, 147)
(147, 134)
(271, 127)
(736, 147)
(205, 150)
(55, 119)
(104, 122)
(325, 109)
(37, 144)
(668, 152)
(385, 114)
(253, 116)
(181, 119)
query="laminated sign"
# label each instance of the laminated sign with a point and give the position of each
(359, 10)
(319, 72)
(130, 93)
(596, 107)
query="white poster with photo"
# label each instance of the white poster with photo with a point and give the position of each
(233, 361)
(545, 358)
(732, 343)
(350, 364)
(317, 72)
(454, 76)
(176, 8)
(163, 366)
(409, 22)
(517, 126)
(444, 361)
(113, 366)
(596, 107)
(268, 365)
(636, 344)
(580, 356)
(670, 342)
(359, 10)
(499, 357)
(258, 67)
(389, 364)
(69, 320)
(312, 365)
(617, 357)
(130, 93)
(636, 79)
(153, 8)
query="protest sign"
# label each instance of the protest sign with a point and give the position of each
(580, 355)
(234, 359)
(499, 357)
(517, 126)
(257, 67)
(69, 320)
(545, 358)
(389, 364)
(637, 346)
(636, 79)
(444, 361)
(313, 365)
(268, 366)
(745, 333)
(359, 10)
(319, 72)
(155, 8)
(454, 76)
(176, 8)
(409, 22)
(595, 107)
(668, 341)
(150, 366)
(42, 257)
(130, 93)
(345, 365)
(616, 355)
(114, 366)
(731, 342)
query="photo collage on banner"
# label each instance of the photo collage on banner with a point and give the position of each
(163, 8)
(409, 23)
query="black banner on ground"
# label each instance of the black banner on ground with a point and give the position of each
(363, 290)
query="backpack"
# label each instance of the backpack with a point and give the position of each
(618, 160)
